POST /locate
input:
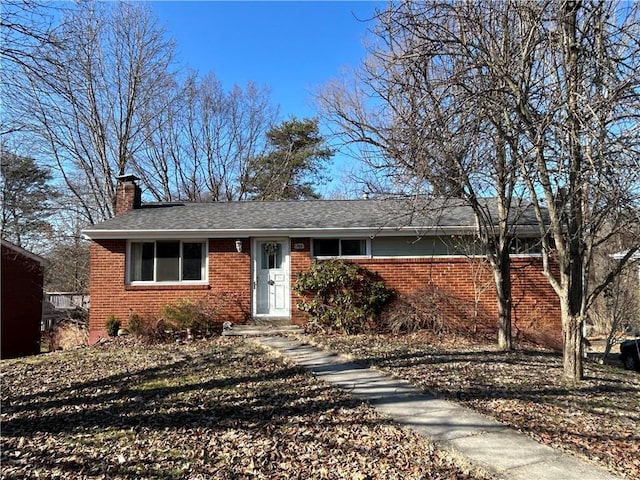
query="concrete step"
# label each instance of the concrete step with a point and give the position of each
(261, 330)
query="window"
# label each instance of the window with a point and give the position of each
(527, 246)
(167, 261)
(271, 256)
(339, 247)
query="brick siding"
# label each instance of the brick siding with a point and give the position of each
(229, 285)
(468, 286)
(536, 313)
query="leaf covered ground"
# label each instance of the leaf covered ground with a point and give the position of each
(597, 420)
(221, 408)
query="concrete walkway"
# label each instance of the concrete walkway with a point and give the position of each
(480, 439)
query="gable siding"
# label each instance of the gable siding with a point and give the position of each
(409, 247)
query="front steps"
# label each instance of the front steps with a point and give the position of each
(261, 330)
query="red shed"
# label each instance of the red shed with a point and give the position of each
(21, 304)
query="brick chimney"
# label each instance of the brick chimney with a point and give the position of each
(128, 193)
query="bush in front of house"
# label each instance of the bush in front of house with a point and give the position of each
(194, 317)
(149, 329)
(341, 295)
(112, 325)
(431, 308)
(135, 324)
(66, 334)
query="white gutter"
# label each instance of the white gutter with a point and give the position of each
(96, 234)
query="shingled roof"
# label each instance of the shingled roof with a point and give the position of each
(294, 218)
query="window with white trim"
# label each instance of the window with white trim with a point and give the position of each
(340, 247)
(167, 261)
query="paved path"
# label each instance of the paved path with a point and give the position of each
(483, 441)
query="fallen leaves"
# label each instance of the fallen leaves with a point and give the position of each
(598, 420)
(220, 409)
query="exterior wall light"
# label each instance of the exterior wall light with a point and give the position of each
(239, 246)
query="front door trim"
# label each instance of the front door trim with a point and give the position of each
(264, 290)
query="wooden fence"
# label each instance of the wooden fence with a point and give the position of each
(57, 306)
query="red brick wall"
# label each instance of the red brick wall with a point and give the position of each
(22, 279)
(535, 315)
(300, 261)
(229, 285)
(536, 309)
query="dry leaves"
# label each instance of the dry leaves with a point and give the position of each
(210, 409)
(598, 421)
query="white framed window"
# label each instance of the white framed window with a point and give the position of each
(167, 261)
(341, 247)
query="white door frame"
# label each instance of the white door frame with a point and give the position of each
(255, 274)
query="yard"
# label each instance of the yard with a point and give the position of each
(599, 420)
(221, 409)
(226, 408)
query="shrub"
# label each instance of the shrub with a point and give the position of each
(134, 325)
(112, 325)
(432, 309)
(66, 335)
(341, 295)
(193, 316)
(149, 329)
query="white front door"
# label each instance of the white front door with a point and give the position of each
(271, 278)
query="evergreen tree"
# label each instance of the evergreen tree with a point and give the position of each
(25, 199)
(293, 164)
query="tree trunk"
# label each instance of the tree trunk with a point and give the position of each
(573, 367)
(574, 280)
(573, 346)
(502, 276)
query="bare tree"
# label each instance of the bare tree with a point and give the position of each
(441, 122)
(528, 102)
(200, 148)
(91, 100)
(581, 113)
(25, 25)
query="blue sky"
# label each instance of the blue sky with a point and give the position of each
(291, 47)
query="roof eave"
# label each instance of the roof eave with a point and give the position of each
(273, 232)
(97, 234)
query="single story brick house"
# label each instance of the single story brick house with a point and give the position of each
(245, 257)
(21, 300)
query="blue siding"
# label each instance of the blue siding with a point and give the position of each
(423, 246)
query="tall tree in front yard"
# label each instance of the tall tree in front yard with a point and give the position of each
(582, 117)
(445, 129)
(534, 103)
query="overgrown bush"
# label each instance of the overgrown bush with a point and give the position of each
(66, 335)
(341, 295)
(112, 325)
(149, 329)
(134, 324)
(429, 308)
(416, 311)
(196, 317)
